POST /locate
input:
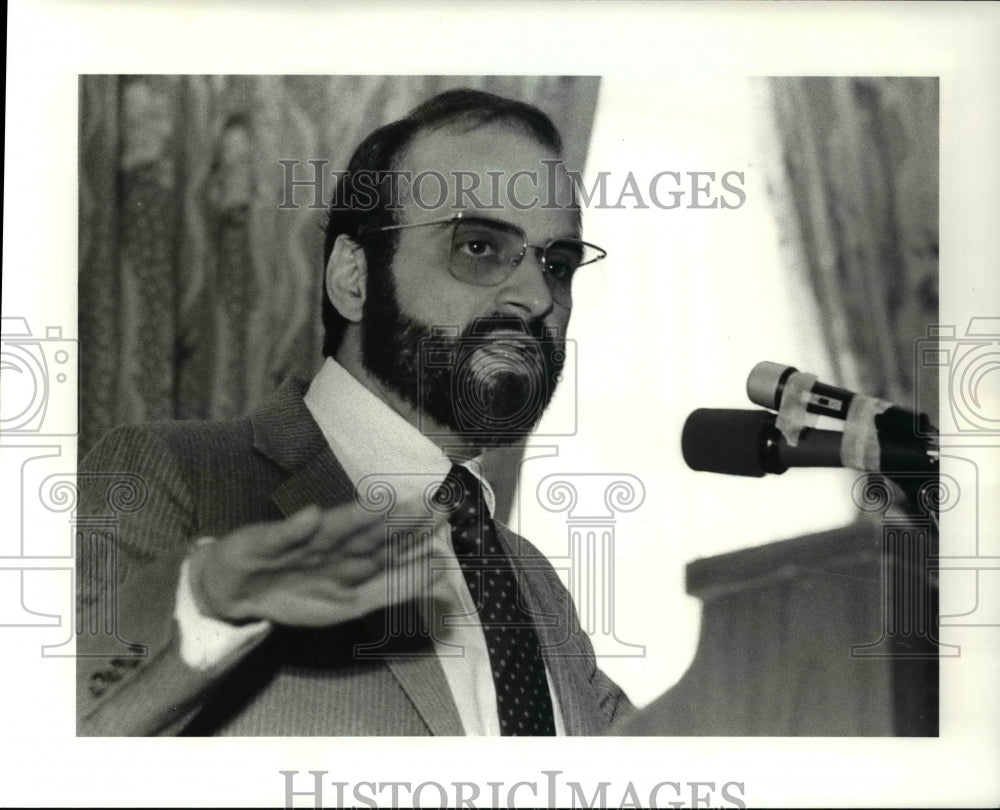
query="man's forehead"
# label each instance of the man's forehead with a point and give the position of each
(505, 170)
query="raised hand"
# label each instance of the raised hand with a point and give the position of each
(316, 568)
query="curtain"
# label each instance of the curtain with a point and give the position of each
(857, 188)
(199, 290)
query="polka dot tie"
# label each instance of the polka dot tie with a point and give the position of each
(524, 705)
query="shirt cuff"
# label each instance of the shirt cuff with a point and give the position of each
(205, 642)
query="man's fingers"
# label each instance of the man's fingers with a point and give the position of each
(350, 528)
(415, 541)
(355, 571)
(351, 547)
(358, 531)
(322, 530)
(290, 532)
(416, 576)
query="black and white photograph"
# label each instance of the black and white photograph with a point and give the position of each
(359, 386)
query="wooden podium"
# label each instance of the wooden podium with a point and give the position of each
(832, 634)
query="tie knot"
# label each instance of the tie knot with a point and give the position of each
(461, 494)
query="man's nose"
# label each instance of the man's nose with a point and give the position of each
(526, 292)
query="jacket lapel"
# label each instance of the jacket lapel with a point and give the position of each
(423, 680)
(322, 481)
(285, 432)
(558, 633)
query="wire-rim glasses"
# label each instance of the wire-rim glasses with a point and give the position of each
(486, 252)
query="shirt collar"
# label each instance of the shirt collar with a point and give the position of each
(368, 437)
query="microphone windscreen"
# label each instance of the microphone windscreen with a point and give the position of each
(725, 441)
(765, 383)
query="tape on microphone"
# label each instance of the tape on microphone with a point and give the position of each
(859, 447)
(793, 417)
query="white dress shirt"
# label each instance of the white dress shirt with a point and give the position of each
(369, 438)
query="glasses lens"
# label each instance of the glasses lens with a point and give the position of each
(485, 252)
(562, 258)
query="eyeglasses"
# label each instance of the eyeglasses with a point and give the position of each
(485, 252)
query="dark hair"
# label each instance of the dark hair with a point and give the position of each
(377, 156)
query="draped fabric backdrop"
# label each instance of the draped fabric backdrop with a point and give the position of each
(198, 293)
(857, 191)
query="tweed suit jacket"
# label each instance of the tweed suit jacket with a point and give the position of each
(154, 490)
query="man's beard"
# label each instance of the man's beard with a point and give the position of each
(490, 384)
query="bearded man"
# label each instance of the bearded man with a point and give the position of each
(329, 565)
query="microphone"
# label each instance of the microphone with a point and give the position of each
(749, 443)
(786, 389)
(871, 426)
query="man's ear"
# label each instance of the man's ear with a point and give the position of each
(346, 274)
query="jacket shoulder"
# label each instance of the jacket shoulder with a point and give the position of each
(184, 438)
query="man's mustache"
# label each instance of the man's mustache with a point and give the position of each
(490, 324)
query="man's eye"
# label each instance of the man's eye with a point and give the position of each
(560, 270)
(562, 267)
(478, 249)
